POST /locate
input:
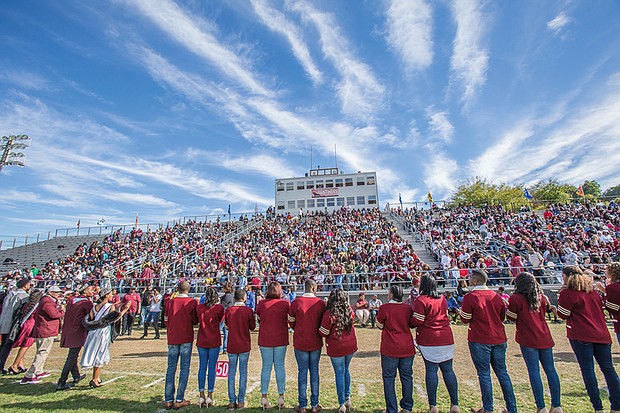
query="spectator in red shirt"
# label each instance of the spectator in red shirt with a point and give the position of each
(586, 328)
(128, 319)
(240, 321)
(435, 341)
(612, 295)
(397, 350)
(210, 315)
(361, 310)
(304, 318)
(181, 319)
(485, 311)
(273, 341)
(46, 327)
(527, 307)
(341, 343)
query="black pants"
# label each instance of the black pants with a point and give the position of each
(128, 320)
(5, 350)
(71, 366)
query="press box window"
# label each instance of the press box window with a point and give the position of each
(320, 203)
(280, 206)
(319, 184)
(339, 183)
(301, 203)
(361, 181)
(340, 202)
(279, 186)
(311, 203)
(361, 200)
(330, 202)
(310, 185)
(370, 180)
(300, 185)
(291, 204)
(329, 183)
(350, 200)
(289, 186)
(348, 181)
(372, 200)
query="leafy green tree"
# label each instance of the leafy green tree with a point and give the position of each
(479, 191)
(553, 191)
(592, 188)
(614, 191)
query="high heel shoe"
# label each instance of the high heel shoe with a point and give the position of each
(93, 384)
(280, 402)
(342, 409)
(455, 409)
(348, 404)
(208, 402)
(264, 403)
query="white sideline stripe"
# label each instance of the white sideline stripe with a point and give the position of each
(252, 387)
(159, 380)
(112, 380)
(361, 390)
(124, 373)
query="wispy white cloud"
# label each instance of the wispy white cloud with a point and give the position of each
(359, 91)
(410, 32)
(262, 164)
(278, 22)
(470, 58)
(197, 37)
(558, 23)
(24, 79)
(440, 125)
(440, 173)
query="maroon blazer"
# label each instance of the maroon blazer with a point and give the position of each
(73, 332)
(47, 318)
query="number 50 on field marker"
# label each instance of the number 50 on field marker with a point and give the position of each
(221, 369)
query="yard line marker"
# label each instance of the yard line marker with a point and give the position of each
(154, 382)
(125, 373)
(252, 387)
(361, 390)
(112, 380)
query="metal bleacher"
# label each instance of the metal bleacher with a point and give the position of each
(40, 253)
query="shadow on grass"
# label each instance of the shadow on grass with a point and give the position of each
(86, 401)
(367, 354)
(146, 355)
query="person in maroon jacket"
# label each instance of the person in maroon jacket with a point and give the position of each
(587, 332)
(272, 313)
(397, 350)
(304, 317)
(128, 319)
(210, 315)
(46, 327)
(484, 310)
(435, 341)
(612, 294)
(527, 307)
(74, 334)
(341, 342)
(240, 321)
(181, 319)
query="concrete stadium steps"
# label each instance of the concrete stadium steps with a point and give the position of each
(42, 252)
(419, 248)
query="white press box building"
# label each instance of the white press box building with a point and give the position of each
(326, 189)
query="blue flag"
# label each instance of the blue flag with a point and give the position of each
(400, 199)
(527, 194)
(228, 209)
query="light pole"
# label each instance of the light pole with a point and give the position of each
(8, 144)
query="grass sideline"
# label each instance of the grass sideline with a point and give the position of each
(138, 367)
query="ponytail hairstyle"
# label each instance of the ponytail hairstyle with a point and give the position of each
(340, 309)
(397, 293)
(211, 297)
(527, 285)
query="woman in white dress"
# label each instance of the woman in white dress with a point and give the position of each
(97, 346)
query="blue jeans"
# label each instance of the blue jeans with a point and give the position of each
(343, 378)
(224, 332)
(208, 360)
(533, 359)
(449, 378)
(307, 360)
(153, 318)
(273, 356)
(144, 313)
(484, 357)
(184, 351)
(389, 366)
(586, 353)
(242, 360)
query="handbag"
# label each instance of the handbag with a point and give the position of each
(103, 322)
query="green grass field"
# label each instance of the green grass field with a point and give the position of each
(138, 367)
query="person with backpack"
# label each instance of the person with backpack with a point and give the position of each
(22, 328)
(11, 303)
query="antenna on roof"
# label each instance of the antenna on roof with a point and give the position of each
(335, 156)
(310, 156)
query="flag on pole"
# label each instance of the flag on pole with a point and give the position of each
(101, 221)
(430, 197)
(228, 209)
(78, 224)
(400, 199)
(527, 194)
(256, 208)
(580, 191)
(136, 220)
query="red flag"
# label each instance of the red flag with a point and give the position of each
(78, 224)
(136, 220)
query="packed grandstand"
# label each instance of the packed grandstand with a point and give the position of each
(364, 249)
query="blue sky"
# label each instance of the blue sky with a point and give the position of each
(169, 108)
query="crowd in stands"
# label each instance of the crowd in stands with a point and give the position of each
(505, 242)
